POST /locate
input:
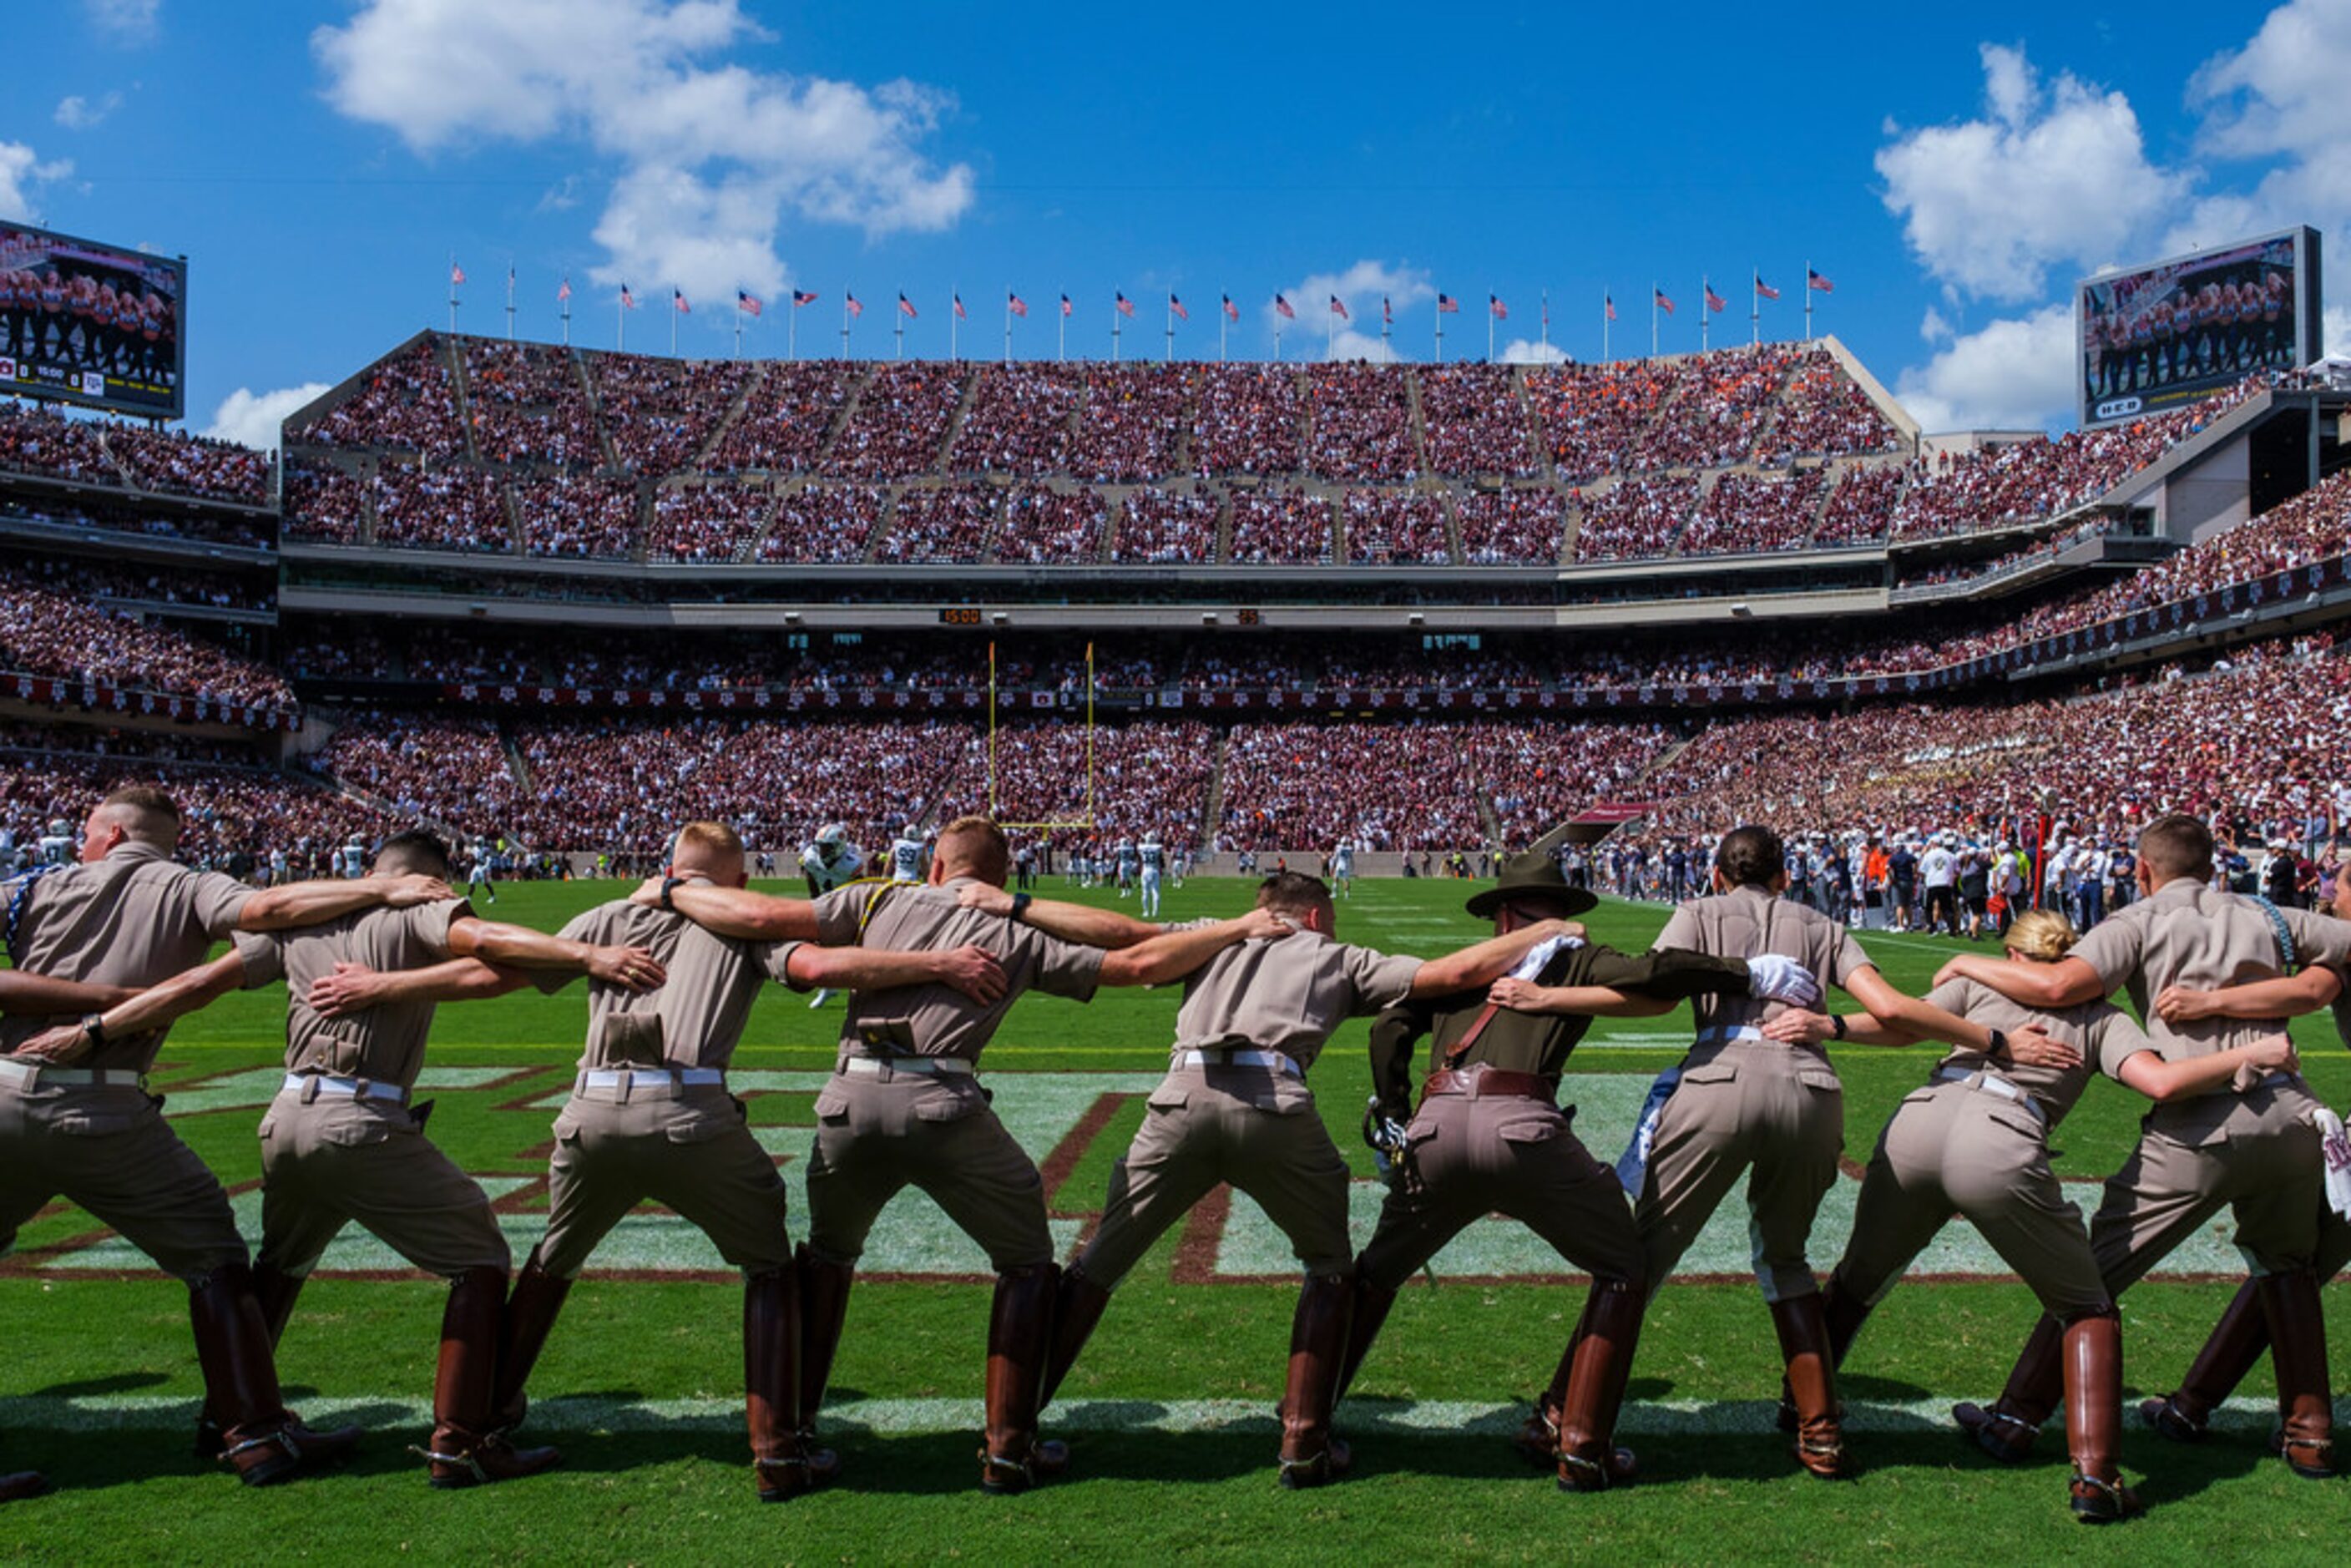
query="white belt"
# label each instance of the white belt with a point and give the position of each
(625, 1081)
(1991, 1084)
(1272, 1060)
(350, 1088)
(1729, 1033)
(891, 1066)
(32, 1074)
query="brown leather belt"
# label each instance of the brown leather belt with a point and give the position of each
(1490, 1083)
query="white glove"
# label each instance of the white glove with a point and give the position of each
(1781, 979)
(2336, 1150)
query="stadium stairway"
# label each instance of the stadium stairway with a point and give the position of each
(726, 422)
(1212, 805)
(516, 763)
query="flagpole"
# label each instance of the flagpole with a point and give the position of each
(1330, 334)
(899, 331)
(1489, 326)
(510, 283)
(673, 321)
(1808, 301)
(1387, 323)
(1653, 317)
(1755, 310)
(1008, 323)
(1113, 333)
(1604, 303)
(453, 294)
(1705, 308)
(620, 323)
(1061, 333)
(792, 328)
(1171, 331)
(1439, 314)
(1223, 321)
(567, 313)
(845, 323)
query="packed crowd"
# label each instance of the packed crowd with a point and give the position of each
(1280, 527)
(1042, 525)
(448, 772)
(1634, 518)
(824, 525)
(46, 633)
(51, 445)
(1475, 423)
(660, 413)
(577, 515)
(1394, 527)
(529, 406)
(1018, 423)
(1744, 511)
(786, 417)
(712, 521)
(444, 508)
(1167, 526)
(1510, 528)
(940, 524)
(1363, 424)
(151, 585)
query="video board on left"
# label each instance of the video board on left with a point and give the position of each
(91, 323)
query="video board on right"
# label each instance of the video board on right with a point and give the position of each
(2160, 337)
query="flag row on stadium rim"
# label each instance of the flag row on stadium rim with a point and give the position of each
(1123, 309)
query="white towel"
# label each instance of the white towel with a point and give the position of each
(1632, 1166)
(2337, 1149)
(1543, 953)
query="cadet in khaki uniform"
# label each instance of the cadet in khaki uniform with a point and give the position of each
(904, 1107)
(650, 1117)
(1744, 1102)
(1976, 1139)
(340, 1144)
(75, 1120)
(1235, 1108)
(1489, 1138)
(2241, 1336)
(2251, 1148)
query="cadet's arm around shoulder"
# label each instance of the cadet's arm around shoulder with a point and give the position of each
(183, 993)
(23, 992)
(2158, 1079)
(1172, 954)
(1482, 963)
(353, 987)
(299, 904)
(739, 912)
(1078, 923)
(2285, 996)
(2067, 983)
(974, 971)
(520, 947)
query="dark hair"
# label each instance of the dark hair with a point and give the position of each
(413, 850)
(2176, 845)
(1751, 855)
(1293, 893)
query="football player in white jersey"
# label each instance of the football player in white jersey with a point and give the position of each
(1154, 857)
(828, 861)
(908, 857)
(1343, 867)
(478, 872)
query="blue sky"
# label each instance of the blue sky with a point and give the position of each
(1952, 171)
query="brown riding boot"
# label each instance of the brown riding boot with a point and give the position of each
(1078, 1306)
(771, 1348)
(1018, 1328)
(2006, 1429)
(466, 1450)
(824, 1304)
(2093, 1418)
(2298, 1351)
(274, 1290)
(1812, 1384)
(531, 1311)
(1311, 1456)
(2234, 1348)
(1844, 1312)
(1537, 1441)
(1368, 1312)
(260, 1437)
(21, 1484)
(1601, 1363)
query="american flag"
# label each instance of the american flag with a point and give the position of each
(1339, 309)
(1714, 301)
(1017, 306)
(1283, 306)
(1447, 305)
(1496, 308)
(456, 274)
(1609, 302)
(1126, 306)
(1663, 304)
(802, 296)
(1065, 304)
(1177, 305)
(1232, 311)
(677, 301)
(1765, 290)
(958, 308)
(565, 291)
(747, 303)
(1814, 281)
(628, 300)
(906, 307)
(854, 305)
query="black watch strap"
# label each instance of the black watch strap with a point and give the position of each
(1020, 903)
(1837, 1026)
(669, 888)
(94, 1026)
(1999, 1046)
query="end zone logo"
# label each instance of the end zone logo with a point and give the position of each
(2116, 407)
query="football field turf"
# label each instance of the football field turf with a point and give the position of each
(1170, 1412)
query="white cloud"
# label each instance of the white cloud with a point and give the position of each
(2015, 374)
(713, 156)
(1360, 287)
(79, 113)
(129, 21)
(21, 173)
(2051, 174)
(1532, 352)
(2337, 326)
(254, 418)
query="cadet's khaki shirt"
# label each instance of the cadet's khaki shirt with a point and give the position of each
(386, 1044)
(136, 918)
(2105, 1035)
(1747, 922)
(692, 1020)
(2186, 933)
(1288, 993)
(937, 1019)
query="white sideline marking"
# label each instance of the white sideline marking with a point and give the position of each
(1663, 1417)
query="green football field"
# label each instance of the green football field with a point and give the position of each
(1169, 1414)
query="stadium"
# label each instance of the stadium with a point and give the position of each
(1408, 626)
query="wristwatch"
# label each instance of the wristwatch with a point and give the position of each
(1020, 903)
(94, 1026)
(1837, 1026)
(669, 887)
(1999, 1046)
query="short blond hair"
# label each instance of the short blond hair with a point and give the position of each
(2041, 933)
(713, 845)
(974, 843)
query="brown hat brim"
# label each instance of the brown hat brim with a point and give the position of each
(1572, 900)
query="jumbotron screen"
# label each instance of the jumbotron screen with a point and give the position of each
(91, 323)
(2158, 337)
